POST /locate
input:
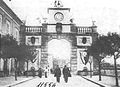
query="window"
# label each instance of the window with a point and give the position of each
(16, 34)
(7, 27)
(37, 40)
(0, 22)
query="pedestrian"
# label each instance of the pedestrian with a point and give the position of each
(33, 71)
(66, 73)
(46, 72)
(40, 72)
(51, 71)
(57, 73)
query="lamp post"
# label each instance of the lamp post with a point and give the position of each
(116, 74)
(101, 56)
(116, 55)
(102, 62)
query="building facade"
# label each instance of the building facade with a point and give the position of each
(9, 24)
(60, 26)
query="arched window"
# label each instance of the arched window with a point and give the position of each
(8, 27)
(0, 22)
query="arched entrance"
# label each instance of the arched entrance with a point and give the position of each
(59, 52)
(60, 27)
(61, 43)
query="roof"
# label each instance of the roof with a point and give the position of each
(10, 12)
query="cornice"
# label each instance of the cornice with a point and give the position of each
(4, 6)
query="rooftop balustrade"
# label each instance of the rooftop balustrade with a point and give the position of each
(84, 30)
(33, 29)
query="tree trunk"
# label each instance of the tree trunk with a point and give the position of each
(116, 74)
(27, 69)
(15, 69)
(90, 70)
(5, 68)
(99, 69)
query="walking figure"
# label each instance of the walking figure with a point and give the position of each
(57, 73)
(66, 73)
(33, 71)
(40, 72)
(46, 72)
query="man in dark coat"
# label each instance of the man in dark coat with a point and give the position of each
(66, 73)
(57, 73)
(40, 72)
(33, 71)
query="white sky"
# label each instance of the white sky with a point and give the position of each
(106, 13)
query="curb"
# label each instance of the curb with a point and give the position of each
(94, 82)
(14, 84)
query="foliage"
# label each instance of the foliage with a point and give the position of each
(114, 43)
(98, 47)
(8, 46)
(11, 49)
(26, 53)
(105, 45)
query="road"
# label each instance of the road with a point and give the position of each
(74, 81)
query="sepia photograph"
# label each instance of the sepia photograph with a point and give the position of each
(59, 43)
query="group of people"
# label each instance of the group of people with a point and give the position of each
(66, 73)
(57, 73)
(40, 71)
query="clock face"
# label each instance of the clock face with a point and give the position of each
(59, 16)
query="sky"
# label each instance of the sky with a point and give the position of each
(106, 13)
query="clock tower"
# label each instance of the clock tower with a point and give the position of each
(58, 16)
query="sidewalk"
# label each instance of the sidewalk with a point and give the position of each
(106, 80)
(7, 81)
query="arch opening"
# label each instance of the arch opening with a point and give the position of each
(59, 52)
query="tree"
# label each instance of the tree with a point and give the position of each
(0, 45)
(97, 50)
(106, 45)
(114, 43)
(26, 53)
(11, 49)
(8, 48)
